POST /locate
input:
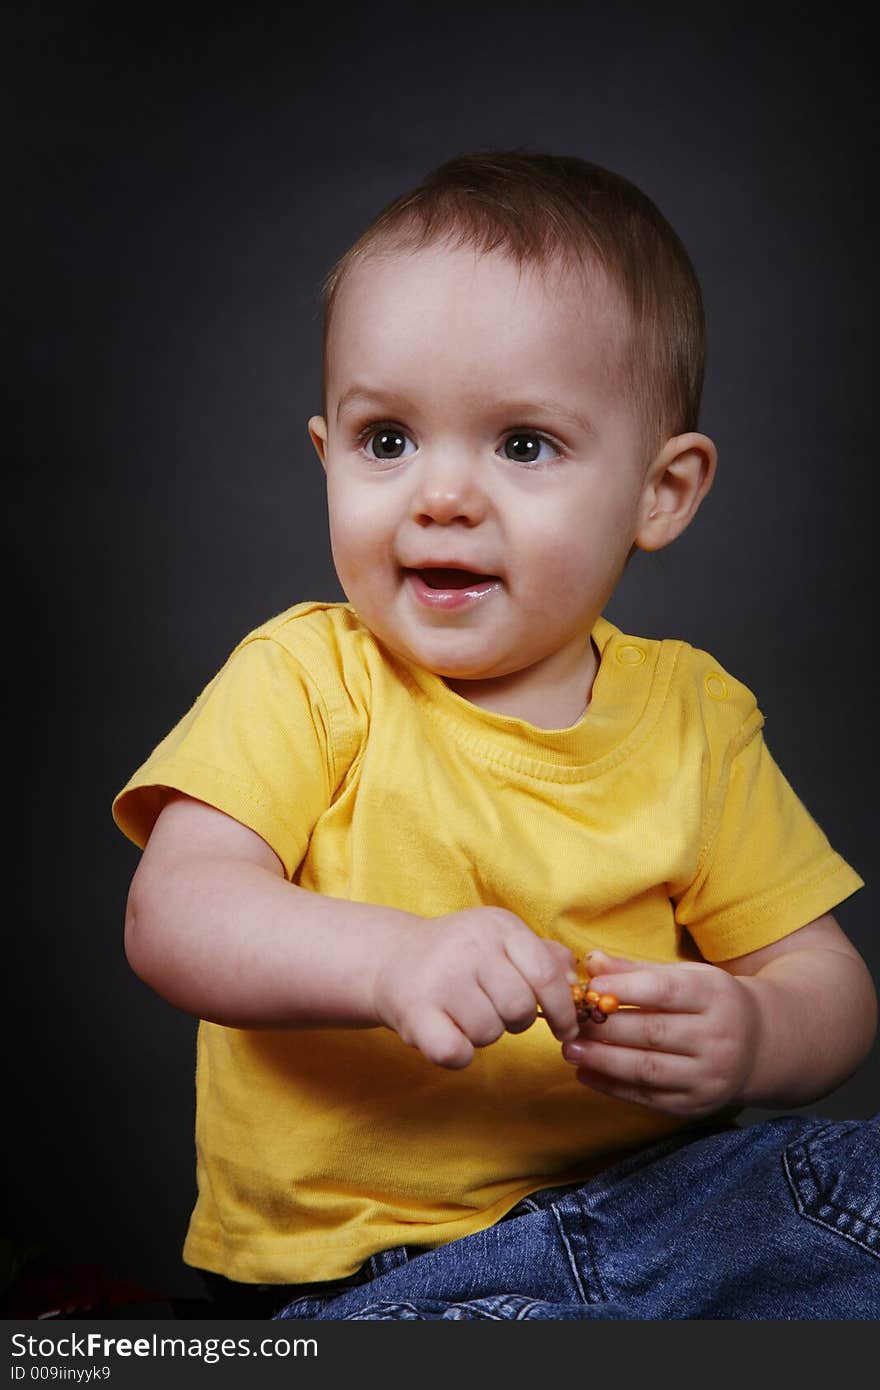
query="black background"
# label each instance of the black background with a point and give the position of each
(177, 184)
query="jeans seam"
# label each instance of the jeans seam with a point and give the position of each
(387, 1306)
(587, 1295)
(797, 1155)
(385, 1261)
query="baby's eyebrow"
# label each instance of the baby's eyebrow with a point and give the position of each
(512, 408)
(525, 409)
(365, 394)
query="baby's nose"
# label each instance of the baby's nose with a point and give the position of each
(448, 491)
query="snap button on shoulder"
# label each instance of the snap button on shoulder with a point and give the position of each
(629, 655)
(716, 687)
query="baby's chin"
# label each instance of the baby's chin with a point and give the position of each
(450, 665)
(466, 671)
(475, 678)
(455, 653)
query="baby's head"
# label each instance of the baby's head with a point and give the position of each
(513, 362)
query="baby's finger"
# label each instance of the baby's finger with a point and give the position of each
(669, 988)
(601, 961)
(668, 1102)
(475, 1013)
(550, 973)
(439, 1038)
(678, 1033)
(632, 1067)
(512, 997)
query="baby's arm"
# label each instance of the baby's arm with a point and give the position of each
(214, 927)
(781, 1026)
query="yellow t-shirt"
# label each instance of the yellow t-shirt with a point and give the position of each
(656, 826)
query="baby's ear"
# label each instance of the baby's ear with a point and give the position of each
(318, 436)
(675, 485)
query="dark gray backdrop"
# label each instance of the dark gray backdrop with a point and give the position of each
(180, 186)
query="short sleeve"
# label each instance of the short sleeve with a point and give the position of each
(257, 744)
(768, 869)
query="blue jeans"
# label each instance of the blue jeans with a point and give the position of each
(779, 1220)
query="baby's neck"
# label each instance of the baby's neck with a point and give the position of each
(544, 696)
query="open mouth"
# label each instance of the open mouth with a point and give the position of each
(453, 579)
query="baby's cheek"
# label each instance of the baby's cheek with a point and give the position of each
(563, 580)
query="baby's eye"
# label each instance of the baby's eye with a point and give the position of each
(524, 446)
(387, 443)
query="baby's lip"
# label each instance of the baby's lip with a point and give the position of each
(447, 577)
(453, 571)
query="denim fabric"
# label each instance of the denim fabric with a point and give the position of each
(779, 1220)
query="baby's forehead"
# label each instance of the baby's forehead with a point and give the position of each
(454, 333)
(443, 280)
(456, 263)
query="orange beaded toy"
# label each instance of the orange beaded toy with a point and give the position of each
(590, 1005)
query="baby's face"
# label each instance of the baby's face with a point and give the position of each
(485, 474)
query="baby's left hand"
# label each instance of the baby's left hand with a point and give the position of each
(687, 1049)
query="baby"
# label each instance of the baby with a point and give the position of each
(389, 831)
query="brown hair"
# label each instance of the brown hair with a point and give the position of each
(540, 209)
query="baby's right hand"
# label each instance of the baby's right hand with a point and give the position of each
(450, 984)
